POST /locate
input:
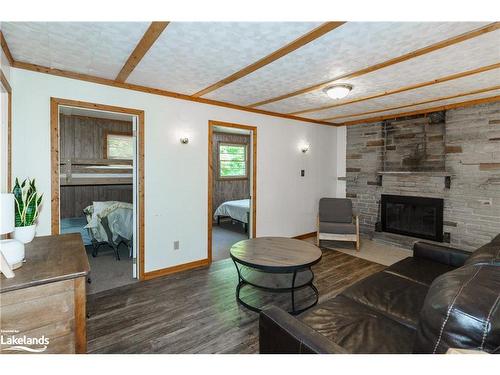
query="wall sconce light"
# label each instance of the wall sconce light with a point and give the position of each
(304, 148)
(184, 140)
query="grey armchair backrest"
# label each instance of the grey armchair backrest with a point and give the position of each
(335, 210)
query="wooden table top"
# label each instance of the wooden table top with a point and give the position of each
(49, 259)
(275, 253)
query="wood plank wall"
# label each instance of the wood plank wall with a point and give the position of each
(226, 190)
(83, 137)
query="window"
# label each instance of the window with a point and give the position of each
(119, 146)
(233, 160)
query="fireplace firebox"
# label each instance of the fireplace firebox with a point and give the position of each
(420, 217)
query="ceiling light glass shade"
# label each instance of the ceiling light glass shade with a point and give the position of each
(338, 91)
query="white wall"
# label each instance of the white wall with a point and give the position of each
(341, 157)
(176, 174)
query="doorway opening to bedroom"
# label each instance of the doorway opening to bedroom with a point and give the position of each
(97, 164)
(231, 186)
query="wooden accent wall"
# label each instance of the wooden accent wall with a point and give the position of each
(83, 137)
(75, 198)
(226, 190)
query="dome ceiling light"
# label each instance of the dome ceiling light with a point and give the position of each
(338, 91)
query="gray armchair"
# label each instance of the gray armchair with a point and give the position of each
(336, 221)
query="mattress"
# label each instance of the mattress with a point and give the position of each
(76, 225)
(237, 210)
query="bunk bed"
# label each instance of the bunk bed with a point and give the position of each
(98, 228)
(96, 172)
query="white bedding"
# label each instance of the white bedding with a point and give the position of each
(120, 219)
(237, 210)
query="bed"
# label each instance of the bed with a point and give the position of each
(76, 225)
(105, 223)
(238, 210)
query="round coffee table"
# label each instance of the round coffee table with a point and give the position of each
(276, 255)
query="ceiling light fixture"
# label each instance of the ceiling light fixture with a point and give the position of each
(338, 91)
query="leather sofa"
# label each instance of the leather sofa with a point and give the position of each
(439, 298)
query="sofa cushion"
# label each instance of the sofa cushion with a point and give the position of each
(337, 228)
(461, 310)
(489, 253)
(396, 297)
(357, 328)
(336, 210)
(420, 270)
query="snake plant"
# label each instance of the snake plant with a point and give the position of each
(27, 202)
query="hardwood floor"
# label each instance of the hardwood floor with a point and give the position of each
(196, 311)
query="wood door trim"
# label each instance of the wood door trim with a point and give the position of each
(410, 55)
(424, 111)
(148, 39)
(253, 129)
(55, 103)
(479, 91)
(402, 89)
(5, 84)
(283, 51)
(154, 91)
(6, 50)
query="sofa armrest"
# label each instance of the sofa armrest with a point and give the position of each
(441, 254)
(281, 333)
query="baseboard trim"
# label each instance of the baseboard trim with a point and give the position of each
(179, 268)
(199, 263)
(305, 235)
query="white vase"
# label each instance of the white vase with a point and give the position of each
(25, 234)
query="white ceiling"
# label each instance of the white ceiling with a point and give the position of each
(95, 48)
(188, 57)
(350, 47)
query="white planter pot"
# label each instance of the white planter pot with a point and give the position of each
(25, 234)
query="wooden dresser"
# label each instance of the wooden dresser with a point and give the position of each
(46, 298)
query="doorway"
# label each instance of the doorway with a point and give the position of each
(232, 188)
(98, 185)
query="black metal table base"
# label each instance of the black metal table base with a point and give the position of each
(292, 289)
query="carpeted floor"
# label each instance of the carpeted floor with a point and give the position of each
(224, 236)
(107, 272)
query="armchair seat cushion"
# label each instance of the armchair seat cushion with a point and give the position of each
(337, 228)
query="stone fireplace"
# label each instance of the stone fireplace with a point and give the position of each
(451, 156)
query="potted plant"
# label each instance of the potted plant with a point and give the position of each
(27, 208)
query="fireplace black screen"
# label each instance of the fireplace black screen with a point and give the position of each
(413, 216)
